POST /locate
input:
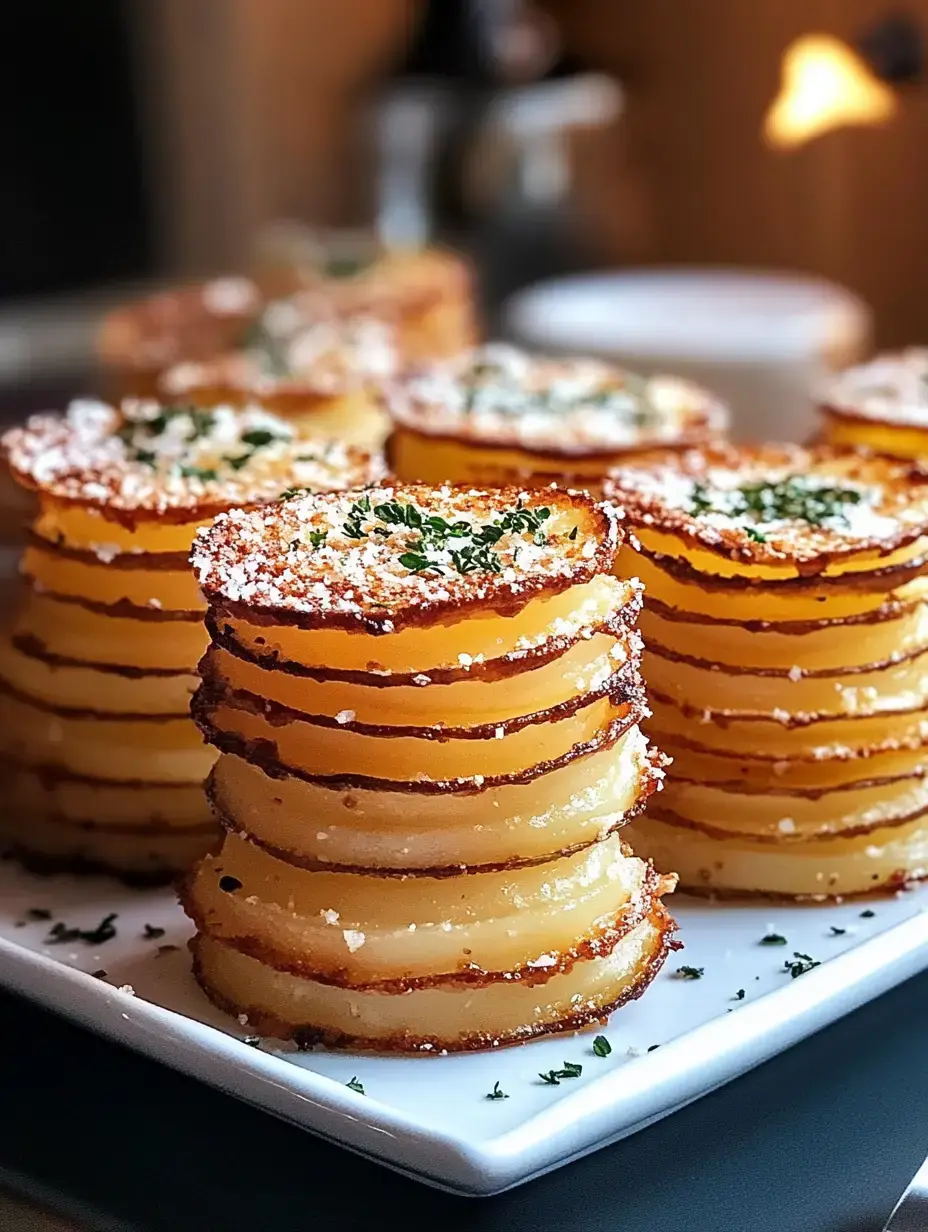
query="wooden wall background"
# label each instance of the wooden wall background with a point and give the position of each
(254, 102)
(699, 75)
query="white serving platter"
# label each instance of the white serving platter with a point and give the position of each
(428, 1116)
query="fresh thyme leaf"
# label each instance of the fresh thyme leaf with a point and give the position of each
(690, 973)
(753, 533)
(316, 537)
(476, 559)
(601, 1046)
(355, 1085)
(800, 965)
(207, 474)
(572, 1069)
(772, 939)
(551, 1078)
(258, 438)
(497, 1092)
(152, 932)
(291, 492)
(417, 563)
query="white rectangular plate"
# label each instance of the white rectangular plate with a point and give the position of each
(429, 1116)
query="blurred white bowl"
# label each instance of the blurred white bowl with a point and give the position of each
(760, 340)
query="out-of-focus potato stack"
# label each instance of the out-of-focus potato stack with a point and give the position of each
(426, 295)
(881, 406)
(787, 666)
(426, 702)
(322, 371)
(498, 415)
(104, 767)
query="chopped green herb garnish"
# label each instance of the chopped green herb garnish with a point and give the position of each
(837, 932)
(739, 995)
(868, 914)
(61, 934)
(601, 1046)
(355, 1085)
(417, 563)
(800, 965)
(573, 534)
(258, 438)
(553, 1077)
(316, 537)
(497, 1092)
(793, 499)
(690, 973)
(754, 534)
(207, 474)
(653, 1047)
(772, 939)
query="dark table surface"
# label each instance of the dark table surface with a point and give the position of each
(821, 1139)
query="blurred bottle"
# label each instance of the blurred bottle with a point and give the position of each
(472, 135)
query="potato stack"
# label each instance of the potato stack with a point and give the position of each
(787, 665)
(302, 360)
(497, 415)
(427, 294)
(426, 702)
(104, 768)
(881, 406)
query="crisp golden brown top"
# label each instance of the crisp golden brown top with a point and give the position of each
(892, 389)
(392, 556)
(145, 457)
(499, 395)
(778, 504)
(296, 343)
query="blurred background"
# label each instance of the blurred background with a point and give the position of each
(151, 141)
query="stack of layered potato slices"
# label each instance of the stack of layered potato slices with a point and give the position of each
(498, 415)
(104, 767)
(426, 702)
(787, 666)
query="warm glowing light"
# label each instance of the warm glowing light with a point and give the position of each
(825, 85)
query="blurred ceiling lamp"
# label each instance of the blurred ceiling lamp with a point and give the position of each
(825, 85)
